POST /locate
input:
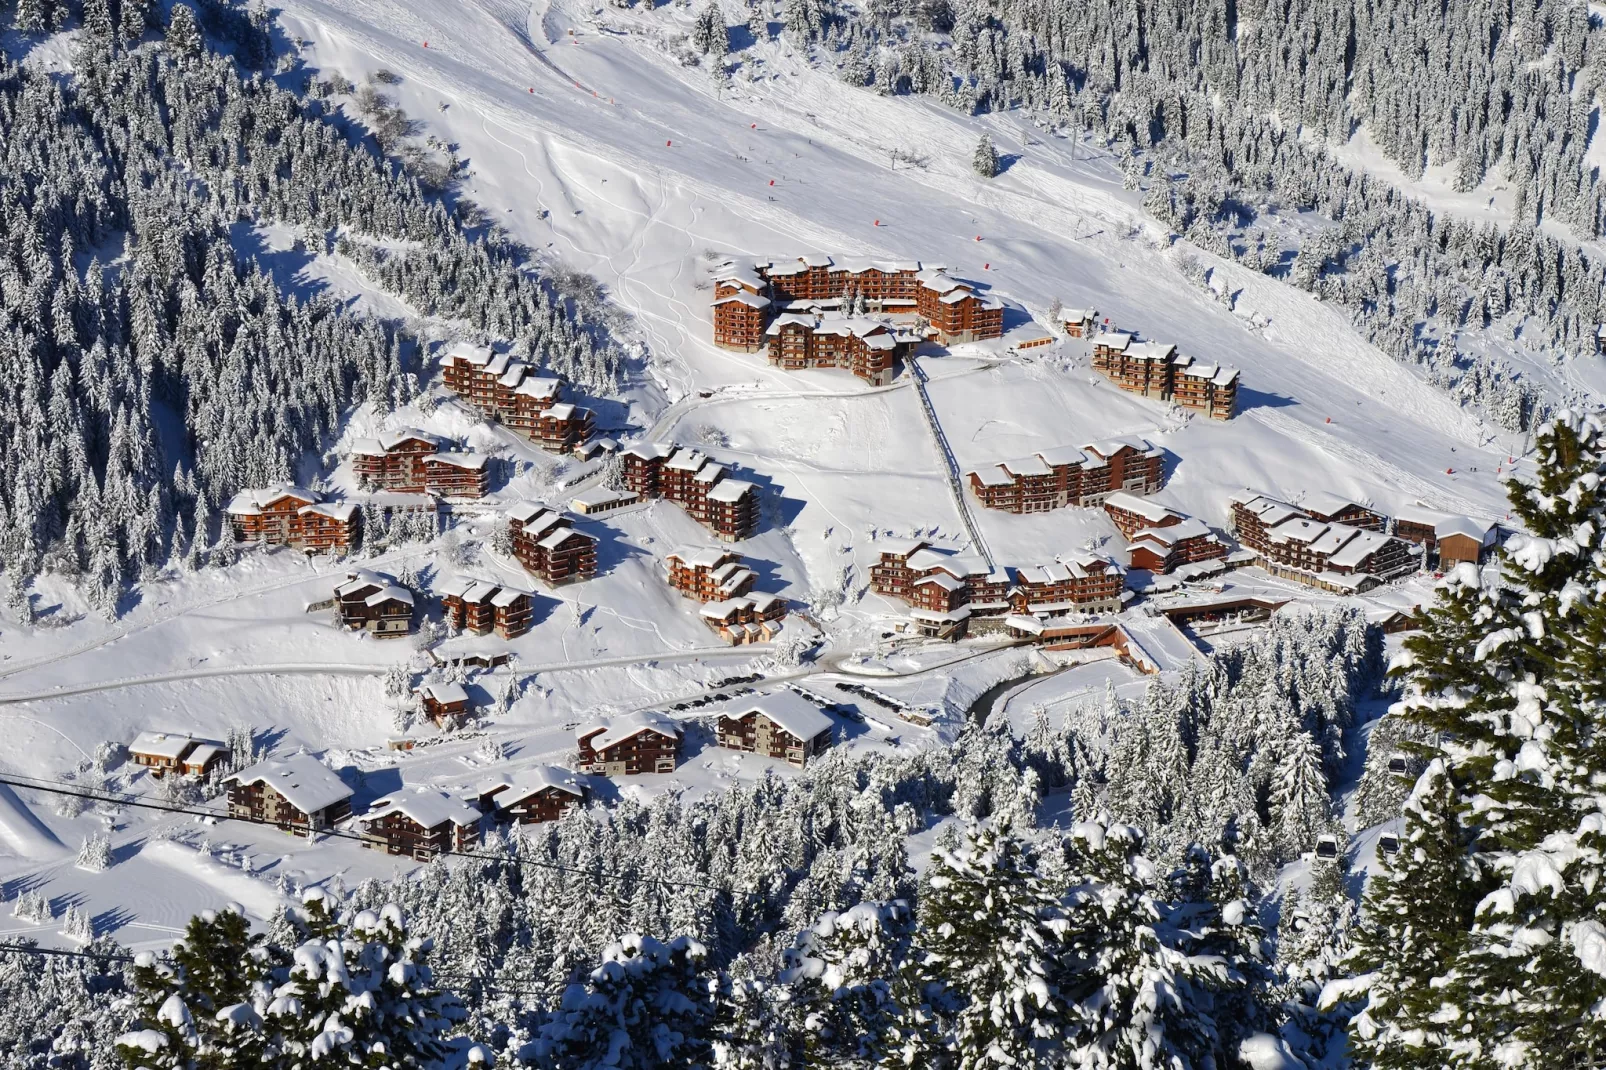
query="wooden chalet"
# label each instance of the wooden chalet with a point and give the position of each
(458, 475)
(562, 427)
(299, 794)
(185, 755)
(531, 796)
(600, 500)
(1081, 583)
(749, 618)
(1052, 479)
(956, 312)
(1447, 539)
(395, 460)
(287, 515)
(866, 347)
(726, 507)
(708, 574)
(1157, 370)
(741, 310)
(1132, 514)
(375, 603)
(781, 725)
(512, 393)
(546, 545)
(627, 746)
(1164, 549)
(1332, 509)
(421, 824)
(1078, 322)
(466, 605)
(444, 703)
(1290, 543)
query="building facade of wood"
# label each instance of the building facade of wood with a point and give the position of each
(548, 546)
(745, 619)
(863, 346)
(726, 507)
(628, 746)
(1289, 542)
(1053, 479)
(394, 460)
(532, 796)
(781, 725)
(287, 515)
(375, 603)
(162, 753)
(708, 574)
(420, 824)
(1447, 539)
(298, 794)
(1157, 370)
(513, 394)
(1165, 549)
(444, 703)
(482, 607)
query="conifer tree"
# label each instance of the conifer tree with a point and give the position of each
(183, 32)
(709, 35)
(993, 933)
(984, 161)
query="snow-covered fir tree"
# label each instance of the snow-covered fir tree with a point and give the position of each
(96, 853)
(984, 161)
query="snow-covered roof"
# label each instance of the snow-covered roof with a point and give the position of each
(170, 745)
(702, 556)
(742, 276)
(1297, 529)
(1062, 455)
(620, 729)
(1028, 466)
(962, 613)
(444, 693)
(304, 781)
(1190, 528)
(507, 596)
(254, 500)
(390, 594)
(341, 511)
(710, 473)
(468, 353)
(1357, 548)
(1270, 511)
(992, 475)
(539, 386)
(454, 586)
(429, 809)
(480, 591)
(600, 496)
(927, 557)
(526, 782)
(1483, 531)
(649, 451)
(205, 752)
(902, 547)
(685, 460)
(1322, 503)
(472, 462)
(1152, 511)
(787, 709)
(1112, 339)
(558, 536)
(729, 490)
(1078, 315)
(742, 297)
(1109, 447)
(1156, 351)
(362, 579)
(941, 579)
(561, 411)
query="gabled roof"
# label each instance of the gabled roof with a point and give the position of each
(507, 596)
(703, 556)
(540, 386)
(1062, 455)
(468, 353)
(361, 579)
(1112, 339)
(254, 500)
(390, 594)
(524, 512)
(558, 536)
(622, 728)
(510, 789)
(445, 693)
(786, 709)
(1188, 529)
(649, 451)
(170, 745)
(1321, 503)
(341, 511)
(303, 780)
(472, 462)
(1152, 511)
(941, 579)
(902, 547)
(992, 475)
(743, 298)
(1028, 466)
(429, 809)
(1109, 447)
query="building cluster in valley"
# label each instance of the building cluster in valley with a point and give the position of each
(1155, 369)
(951, 594)
(303, 796)
(512, 393)
(1054, 479)
(716, 577)
(859, 315)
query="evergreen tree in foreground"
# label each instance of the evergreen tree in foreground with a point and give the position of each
(1508, 826)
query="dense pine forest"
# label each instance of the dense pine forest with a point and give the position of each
(152, 370)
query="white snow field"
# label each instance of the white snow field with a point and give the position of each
(589, 142)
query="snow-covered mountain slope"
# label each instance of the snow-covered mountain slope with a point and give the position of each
(587, 140)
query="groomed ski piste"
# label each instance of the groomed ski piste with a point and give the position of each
(586, 139)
